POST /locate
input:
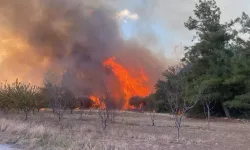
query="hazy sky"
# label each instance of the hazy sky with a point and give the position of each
(164, 19)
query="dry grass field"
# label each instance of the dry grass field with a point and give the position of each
(42, 131)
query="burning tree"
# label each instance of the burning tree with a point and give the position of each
(175, 93)
(136, 101)
(133, 85)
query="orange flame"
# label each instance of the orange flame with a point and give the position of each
(132, 85)
(140, 106)
(42, 109)
(97, 103)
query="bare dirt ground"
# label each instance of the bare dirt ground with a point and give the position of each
(42, 131)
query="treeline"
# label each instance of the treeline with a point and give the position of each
(215, 69)
(213, 78)
(29, 98)
(21, 97)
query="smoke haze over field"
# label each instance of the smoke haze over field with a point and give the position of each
(88, 42)
(72, 39)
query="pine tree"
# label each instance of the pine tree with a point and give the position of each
(211, 53)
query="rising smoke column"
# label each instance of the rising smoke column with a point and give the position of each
(69, 38)
(61, 33)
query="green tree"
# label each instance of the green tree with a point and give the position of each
(41, 100)
(23, 96)
(239, 80)
(6, 102)
(211, 54)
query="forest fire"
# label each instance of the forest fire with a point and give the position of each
(97, 103)
(132, 84)
(80, 50)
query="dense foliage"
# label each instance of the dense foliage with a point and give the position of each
(218, 61)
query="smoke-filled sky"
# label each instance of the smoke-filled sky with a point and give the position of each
(36, 34)
(73, 39)
(164, 19)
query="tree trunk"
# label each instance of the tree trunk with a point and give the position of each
(178, 125)
(204, 109)
(208, 116)
(26, 115)
(112, 116)
(180, 121)
(152, 119)
(105, 123)
(81, 112)
(5, 111)
(59, 117)
(122, 118)
(178, 130)
(227, 113)
(178, 133)
(103, 126)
